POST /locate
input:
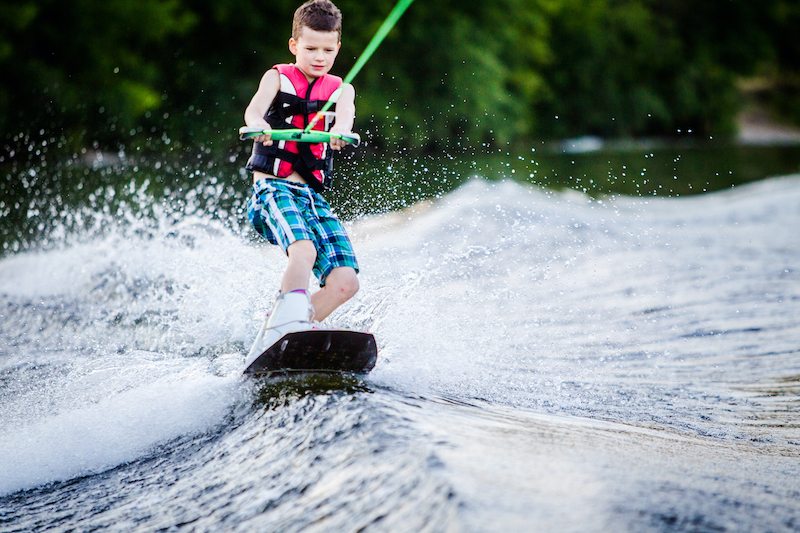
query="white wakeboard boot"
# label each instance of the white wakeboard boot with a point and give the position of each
(292, 312)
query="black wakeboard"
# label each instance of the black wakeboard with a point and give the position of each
(318, 350)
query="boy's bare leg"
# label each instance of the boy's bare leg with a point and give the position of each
(340, 285)
(302, 255)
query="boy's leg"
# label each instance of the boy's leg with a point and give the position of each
(340, 285)
(302, 254)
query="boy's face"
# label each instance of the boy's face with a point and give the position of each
(315, 51)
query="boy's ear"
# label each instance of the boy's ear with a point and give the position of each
(292, 46)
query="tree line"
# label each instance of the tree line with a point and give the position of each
(150, 72)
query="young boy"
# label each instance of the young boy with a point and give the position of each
(287, 207)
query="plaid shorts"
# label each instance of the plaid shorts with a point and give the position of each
(285, 212)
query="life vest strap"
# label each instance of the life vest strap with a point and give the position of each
(291, 105)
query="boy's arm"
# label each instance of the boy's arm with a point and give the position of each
(259, 105)
(345, 115)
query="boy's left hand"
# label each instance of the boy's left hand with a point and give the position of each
(337, 143)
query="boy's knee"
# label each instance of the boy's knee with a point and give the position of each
(345, 283)
(303, 250)
(351, 286)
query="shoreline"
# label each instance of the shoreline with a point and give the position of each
(756, 127)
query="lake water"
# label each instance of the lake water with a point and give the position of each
(549, 360)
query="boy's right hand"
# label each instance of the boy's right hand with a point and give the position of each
(265, 138)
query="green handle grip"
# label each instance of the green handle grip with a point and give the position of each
(297, 135)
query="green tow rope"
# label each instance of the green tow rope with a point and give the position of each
(380, 35)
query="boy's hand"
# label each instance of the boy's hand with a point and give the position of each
(337, 143)
(265, 138)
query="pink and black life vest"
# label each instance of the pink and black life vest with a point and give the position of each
(294, 107)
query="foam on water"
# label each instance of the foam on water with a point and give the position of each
(120, 427)
(118, 344)
(670, 314)
(620, 308)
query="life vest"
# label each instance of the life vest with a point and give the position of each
(294, 107)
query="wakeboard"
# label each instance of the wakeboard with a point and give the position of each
(318, 350)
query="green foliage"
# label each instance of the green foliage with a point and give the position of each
(464, 68)
(84, 64)
(784, 67)
(132, 71)
(623, 70)
(637, 67)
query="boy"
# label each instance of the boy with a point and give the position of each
(287, 207)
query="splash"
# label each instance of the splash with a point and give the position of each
(638, 310)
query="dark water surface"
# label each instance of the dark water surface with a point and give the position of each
(47, 192)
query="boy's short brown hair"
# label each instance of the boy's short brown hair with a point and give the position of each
(318, 15)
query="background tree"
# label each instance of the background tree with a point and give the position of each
(84, 67)
(148, 72)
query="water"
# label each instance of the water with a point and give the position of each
(548, 361)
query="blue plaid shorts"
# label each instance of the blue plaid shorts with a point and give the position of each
(284, 212)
